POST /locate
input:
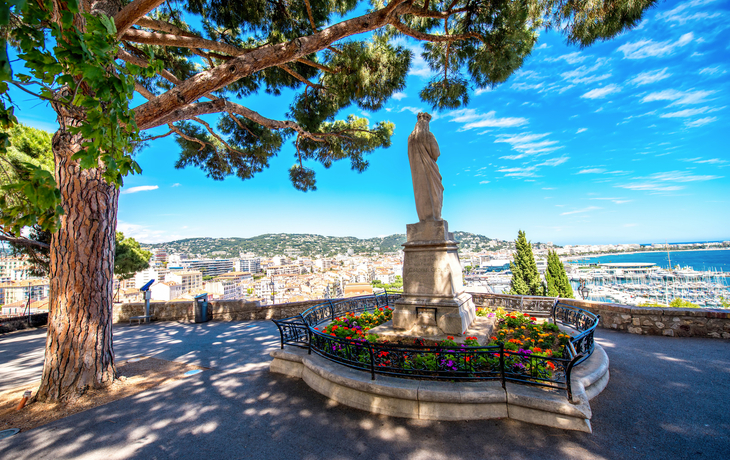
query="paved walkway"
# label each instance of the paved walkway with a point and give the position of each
(668, 398)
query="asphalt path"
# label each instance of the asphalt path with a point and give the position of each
(667, 398)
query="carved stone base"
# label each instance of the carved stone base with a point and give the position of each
(433, 301)
(423, 315)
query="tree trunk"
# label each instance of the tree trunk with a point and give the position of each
(79, 348)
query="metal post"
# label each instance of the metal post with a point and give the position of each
(501, 363)
(147, 295)
(372, 362)
(332, 310)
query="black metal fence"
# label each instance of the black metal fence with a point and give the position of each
(460, 362)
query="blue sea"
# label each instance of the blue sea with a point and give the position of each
(716, 260)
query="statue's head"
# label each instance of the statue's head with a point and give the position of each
(423, 116)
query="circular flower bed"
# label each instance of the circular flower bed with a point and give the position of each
(356, 327)
(524, 333)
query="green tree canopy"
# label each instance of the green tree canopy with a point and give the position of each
(28, 152)
(556, 279)
(525, 277)
(129, 257)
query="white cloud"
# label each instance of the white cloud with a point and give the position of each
(554, 161)
(482, 90)
(712, 71)
(572, 58)
(581, 130)
(699, 122)
(614, 200)
(679, 15)
(649, 48)
(141, 188)
(580, 211)
(583, 73)
(645, 78)
(141, 233)
(681, 176)
(474, 119)
(528, 144)
(484, 182)
(600, 93)
(685, 113)
(542, 47)
(399, 95)
(176, 184)
(679, 97)
(591, 171)
(413, 110)
(660, 182)
(528, 171)
(520, 86)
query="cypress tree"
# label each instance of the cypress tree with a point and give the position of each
(525, 277)
(558, 284)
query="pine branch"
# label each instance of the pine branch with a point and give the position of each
(128, 15)
(180, 41)
(402, 28)
(294, 74)
(149, 113)
(22, 241)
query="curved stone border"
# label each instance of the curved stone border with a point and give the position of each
(435, 400)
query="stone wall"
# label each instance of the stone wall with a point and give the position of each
(218, 310)
(674, 322)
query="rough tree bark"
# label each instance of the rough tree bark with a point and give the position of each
(79, 347)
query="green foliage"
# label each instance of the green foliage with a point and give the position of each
(681, 303)
(397, 285)
(558, 284)
(129, 257)
(28, 194)
(525, 277)
(675, 303)
(76, 70)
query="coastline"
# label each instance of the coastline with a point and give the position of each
(590, 256)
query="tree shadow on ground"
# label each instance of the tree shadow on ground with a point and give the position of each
(21, 357)
(665, 399)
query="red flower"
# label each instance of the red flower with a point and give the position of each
(450, 338)
(533, 318)
(525, 314)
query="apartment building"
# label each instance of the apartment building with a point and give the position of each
(289, 269)
(211, 267)
(166, 290)
(190, 280)
(17, 291)
(249, 264)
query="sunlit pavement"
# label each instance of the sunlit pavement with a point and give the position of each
(667, 398)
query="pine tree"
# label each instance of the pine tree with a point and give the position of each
(558, 284)
(525, 277)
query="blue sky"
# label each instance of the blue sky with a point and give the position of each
(624, 141)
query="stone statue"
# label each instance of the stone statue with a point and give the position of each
(423, 151)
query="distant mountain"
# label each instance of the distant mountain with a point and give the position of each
(308, 245)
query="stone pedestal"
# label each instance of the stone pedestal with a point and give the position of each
(434, 301)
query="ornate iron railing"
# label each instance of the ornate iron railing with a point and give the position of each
(436, 362)
(582, 321)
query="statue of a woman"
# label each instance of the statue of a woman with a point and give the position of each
(423, 151)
